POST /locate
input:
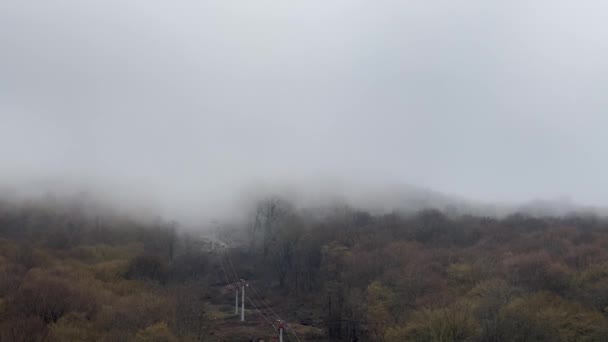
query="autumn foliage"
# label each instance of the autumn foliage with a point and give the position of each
(348, 275)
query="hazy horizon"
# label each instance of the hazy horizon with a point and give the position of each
(187, 105)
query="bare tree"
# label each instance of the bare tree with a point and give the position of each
(268, 216)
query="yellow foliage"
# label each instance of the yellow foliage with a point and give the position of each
(592, 274)
(158, 332)
(110, 271)
(103, 253)
(562, 320)
(135, 312)
(461, 273)
(72, 327)
(379, 301)
(453, 323)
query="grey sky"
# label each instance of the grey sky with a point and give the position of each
(190, 100)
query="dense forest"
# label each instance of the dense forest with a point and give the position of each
(68, 273)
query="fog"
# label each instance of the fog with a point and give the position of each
(188, 105)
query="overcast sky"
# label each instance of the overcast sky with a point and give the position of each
(491, 100)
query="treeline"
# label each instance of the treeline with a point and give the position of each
(431, 277)
(72, 274)
(68, 273)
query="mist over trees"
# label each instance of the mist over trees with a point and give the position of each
(345, 170)
(68, 272)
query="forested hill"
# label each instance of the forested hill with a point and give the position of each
(67, 274)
